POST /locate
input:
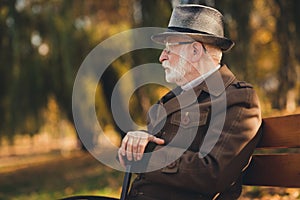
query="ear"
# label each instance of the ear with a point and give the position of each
(197, 52)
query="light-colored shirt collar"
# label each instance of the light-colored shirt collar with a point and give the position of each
(197, 81)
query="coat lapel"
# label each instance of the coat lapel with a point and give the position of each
(169, 104)
(173, 101)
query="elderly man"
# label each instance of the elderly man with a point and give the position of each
(204, 130)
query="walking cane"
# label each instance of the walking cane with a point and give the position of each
(126, 182)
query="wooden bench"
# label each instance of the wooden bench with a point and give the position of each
(276, 161)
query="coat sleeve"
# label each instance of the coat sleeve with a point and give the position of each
(222, 165)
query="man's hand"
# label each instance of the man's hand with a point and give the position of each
(134, 144)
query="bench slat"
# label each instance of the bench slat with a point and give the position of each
(282, 170)
(281, 132)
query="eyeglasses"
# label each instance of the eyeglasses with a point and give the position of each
(168, 44)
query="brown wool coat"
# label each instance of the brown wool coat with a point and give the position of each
(215, 146)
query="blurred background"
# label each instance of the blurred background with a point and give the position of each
(44, 42)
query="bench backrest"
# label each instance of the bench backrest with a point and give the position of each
(276, 161)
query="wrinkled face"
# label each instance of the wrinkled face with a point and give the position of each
(176, 69)
(175, 59)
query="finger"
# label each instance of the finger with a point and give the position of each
(135, 145)
(156, 140)
(141, 148)
(121, 158)
(159, 141)
(123, 146)
(129, 148)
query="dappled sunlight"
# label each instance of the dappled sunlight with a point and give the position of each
(53, 176)
(270, 193)
(56, 134)
(111, 135)
(43, 44)
(40, 143)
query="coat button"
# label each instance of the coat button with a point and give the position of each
(185, 119)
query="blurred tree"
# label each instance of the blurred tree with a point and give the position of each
(21, 95)
(237, 18)
(155, 13)
(288, 20)
(43, 43)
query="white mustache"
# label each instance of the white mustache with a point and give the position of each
(166, 64)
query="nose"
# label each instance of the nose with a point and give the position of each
(163, 56)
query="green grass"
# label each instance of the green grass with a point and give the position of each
(57, 177)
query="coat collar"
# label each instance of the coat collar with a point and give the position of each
(215, 85)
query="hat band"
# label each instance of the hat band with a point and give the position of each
(186, 30)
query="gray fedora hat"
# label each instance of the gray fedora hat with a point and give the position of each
(201, 23)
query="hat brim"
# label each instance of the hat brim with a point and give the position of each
(223, 43)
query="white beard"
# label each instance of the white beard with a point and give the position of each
(176, 74)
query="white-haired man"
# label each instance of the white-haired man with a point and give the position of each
(202, 133)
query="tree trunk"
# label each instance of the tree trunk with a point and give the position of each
(287, 74)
